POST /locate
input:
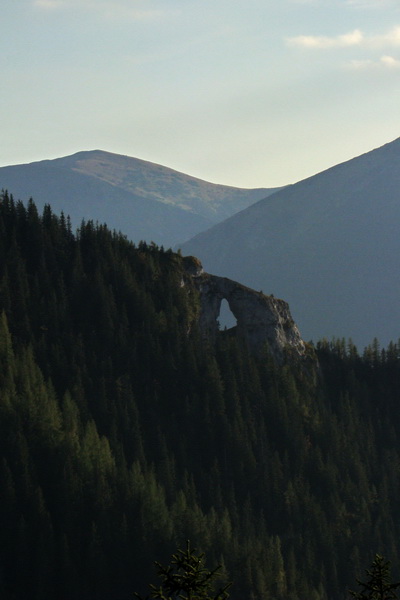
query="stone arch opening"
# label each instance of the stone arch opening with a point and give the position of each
(226, 319)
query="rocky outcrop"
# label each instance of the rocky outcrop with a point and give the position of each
(261, 320)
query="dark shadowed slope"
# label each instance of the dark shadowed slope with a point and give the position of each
(144, 200)
(329, 245)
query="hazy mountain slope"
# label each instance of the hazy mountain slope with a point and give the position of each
(329, 245)
(144, 200)
(150, 180)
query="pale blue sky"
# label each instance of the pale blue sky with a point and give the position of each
(251, 93)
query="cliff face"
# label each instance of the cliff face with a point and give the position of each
(261, 320)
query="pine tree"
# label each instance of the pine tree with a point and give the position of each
(378, 586)
(187, 578)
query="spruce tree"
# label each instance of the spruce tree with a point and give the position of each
(187, 578)
(378, 585)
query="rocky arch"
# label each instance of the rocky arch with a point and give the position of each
(260, 319)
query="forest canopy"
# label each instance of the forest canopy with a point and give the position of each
(123, 433)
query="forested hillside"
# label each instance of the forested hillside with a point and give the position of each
(122, 433)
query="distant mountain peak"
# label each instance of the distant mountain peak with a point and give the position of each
(144, 200)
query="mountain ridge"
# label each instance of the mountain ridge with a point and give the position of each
(145, 200)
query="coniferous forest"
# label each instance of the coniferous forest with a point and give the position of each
(123, 433)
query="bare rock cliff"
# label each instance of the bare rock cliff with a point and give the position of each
(261, 320)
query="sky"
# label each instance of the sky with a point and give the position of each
(249, 93)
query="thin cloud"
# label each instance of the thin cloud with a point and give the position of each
(116, 9)
(353, 38)
(48, 4)
(371, 4)
(390, 62)
(385, 62)
(392, 38)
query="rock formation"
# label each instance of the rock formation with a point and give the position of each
(261, 320)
